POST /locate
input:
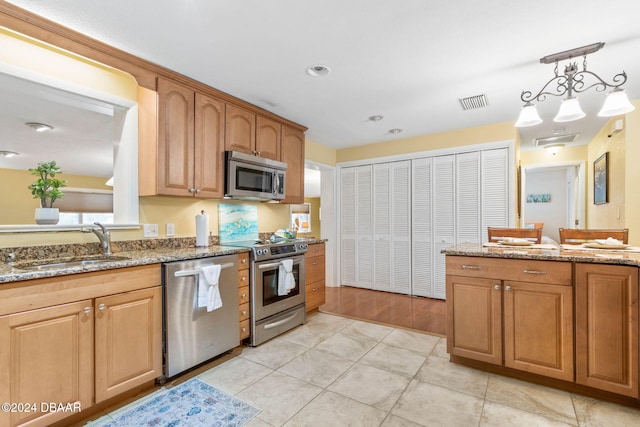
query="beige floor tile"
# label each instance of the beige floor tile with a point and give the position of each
(317, 367)
(440, 350)
(273, 354)
(331, 409)
(235, 375)
(596, 413)
(279, 397)
(545, 401)
(367, 330)
(347, 346)
(497, 415)
(415, 341)
(396, 421)
(432, 405)
(257, 422)
(372, 386)
(329, 322)
(439, 371)
(308, 335)
(394, 359)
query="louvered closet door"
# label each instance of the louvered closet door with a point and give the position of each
(421, 227)
(348, 226)
(364, 227)
(468, 198)
(400, 203)
(382, 226)
(444, 217)
(495, 189)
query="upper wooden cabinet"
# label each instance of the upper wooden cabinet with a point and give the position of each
(249, 133)
(268, 134)
(186, 157)
(292, 149)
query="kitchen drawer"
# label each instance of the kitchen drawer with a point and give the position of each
(244, 311)
(314, 269)
(243, 261)
(243, 295)
(317, 249)
(243, 278)
(244, 329)
(315, 295)
(551, 272)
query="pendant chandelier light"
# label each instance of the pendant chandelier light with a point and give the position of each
(570, 83)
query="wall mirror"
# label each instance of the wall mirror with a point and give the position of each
(94, 138)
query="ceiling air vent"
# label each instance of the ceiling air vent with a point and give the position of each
(560, 139)
(474, 102)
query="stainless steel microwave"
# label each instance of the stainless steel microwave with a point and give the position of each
(254, 178)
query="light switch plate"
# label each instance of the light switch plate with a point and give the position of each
(171, 230)
(150, 230)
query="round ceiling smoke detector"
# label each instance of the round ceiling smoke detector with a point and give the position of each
(318, 70)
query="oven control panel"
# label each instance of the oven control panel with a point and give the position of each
(280, 250)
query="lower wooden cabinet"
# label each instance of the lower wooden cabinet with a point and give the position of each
(315, 276)
(523, 324)
(607, 328)
(243, 295)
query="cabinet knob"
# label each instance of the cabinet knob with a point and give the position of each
(198, 191)
(244, 312)
(244, 260)
(87, 310)
(496, 287)
(192, 190)
(101, 307)
(244, 279)
(314, 289)
(507, 288)
(244, 296)
(244, 329)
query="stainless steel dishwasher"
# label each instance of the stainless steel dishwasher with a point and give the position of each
(192, 334)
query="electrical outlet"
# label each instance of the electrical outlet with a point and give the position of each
(150, 230)
(171, 230)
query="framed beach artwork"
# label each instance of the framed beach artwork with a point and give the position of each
(601, 180)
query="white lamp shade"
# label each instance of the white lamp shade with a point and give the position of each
(569, 111)
(528, 116)
(615, 104)
(553, 149)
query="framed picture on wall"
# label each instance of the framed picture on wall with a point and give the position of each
(601, 180)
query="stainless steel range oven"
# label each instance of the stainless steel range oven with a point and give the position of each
(274, 310)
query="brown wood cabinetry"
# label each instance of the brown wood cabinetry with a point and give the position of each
(292, 149)
(268, 135)
(516, 313)
(244, 296)
(54, 341)
(315, 276)
(186, 158)
(250, 133)
(607, 328)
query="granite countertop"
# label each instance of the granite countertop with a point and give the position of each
(9, 273)
(630, 256)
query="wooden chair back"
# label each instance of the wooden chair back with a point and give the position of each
(576, 236)
(497, 234)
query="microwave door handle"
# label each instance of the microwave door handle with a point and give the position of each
(276, 180)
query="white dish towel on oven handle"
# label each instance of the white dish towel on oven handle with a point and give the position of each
(286, 281)
(208, 287)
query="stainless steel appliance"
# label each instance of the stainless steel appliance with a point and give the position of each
(273, 314)
(253, 177)
(192, 334)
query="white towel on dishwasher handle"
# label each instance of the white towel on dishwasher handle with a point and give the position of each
(286, 281)
(208, 287)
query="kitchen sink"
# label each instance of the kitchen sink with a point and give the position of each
(51, 264)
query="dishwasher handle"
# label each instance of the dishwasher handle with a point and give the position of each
(195, 272)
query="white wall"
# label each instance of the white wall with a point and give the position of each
(554, 213)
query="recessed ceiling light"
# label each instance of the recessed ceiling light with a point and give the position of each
(395, 131)
(558, 131)
(318, 70)
(8, 153)
(376, 118)
(39, 127)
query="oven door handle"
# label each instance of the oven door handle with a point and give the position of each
(270, 265)
(182, 273)
(279, 322)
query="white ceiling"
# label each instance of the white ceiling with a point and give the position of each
(407, 60)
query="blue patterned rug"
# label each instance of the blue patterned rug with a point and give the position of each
(193, 403)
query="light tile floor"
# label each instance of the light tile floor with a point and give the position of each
(334, 371)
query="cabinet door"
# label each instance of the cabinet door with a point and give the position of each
(46, 355)
(128, 341)
(444, 217)
(209, 147)
(292, 153)
(421, 227)
(382, 227)
(468, 198)
(268, 138)
(538, 329)
(348, 224)
(495, 190)
(175, 139)
(474, 318)
(607, 327)
(240, 130)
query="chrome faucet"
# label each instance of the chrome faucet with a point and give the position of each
(103, 235)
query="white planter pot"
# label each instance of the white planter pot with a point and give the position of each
(47, 216)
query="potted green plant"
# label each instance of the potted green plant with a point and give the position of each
(47, 189)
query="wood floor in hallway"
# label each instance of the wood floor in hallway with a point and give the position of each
(418, 313)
